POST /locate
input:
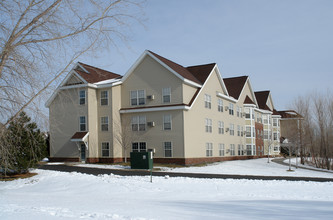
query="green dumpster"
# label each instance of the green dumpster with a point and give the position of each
(142, 160)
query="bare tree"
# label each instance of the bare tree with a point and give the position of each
(39, 36)
(316, 128)
(40, 40)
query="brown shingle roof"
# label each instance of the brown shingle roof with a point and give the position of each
(95, 74)
(289, 114)
(262, 97)
(79, 135)
(235, 85)
(248, 100)
(201, 72)
(177, 68)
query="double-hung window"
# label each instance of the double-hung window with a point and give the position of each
(220, 105)
(138, 123)
(167, 149)
(104, 97)
(221, 127)
(232, 149)
(166, 122)
(238, 130)
(231, 109)
(82, 123)
(248, 131)
(166, 93)
(238, 111)
(105, 123)
(221, 150)
(208, 101)
(209, 149)
(232, 129)
(138, 97)
(208, 125)
(247, 113)
(105, 149)
(82, 97)
(248, 149)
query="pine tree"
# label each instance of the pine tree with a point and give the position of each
(28, 145)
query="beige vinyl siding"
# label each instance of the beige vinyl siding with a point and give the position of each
(63, 126)
(151, 77)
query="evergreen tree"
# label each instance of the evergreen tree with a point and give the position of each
(28, 145)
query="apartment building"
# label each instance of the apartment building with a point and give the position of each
(188, 115)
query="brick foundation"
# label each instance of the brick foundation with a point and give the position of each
(179, 161)
(64, 159)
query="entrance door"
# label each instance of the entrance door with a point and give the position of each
(83, 152)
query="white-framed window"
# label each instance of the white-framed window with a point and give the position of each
(138, 123)
(259, 119)
(264, 117)
(265, 134)
(82, 123)
(248, 149)
(232, 150)
(238, 130)
(241, 112)
(240, 149)
(139, 147)
(248, 131)
(166, 93)
(253, 131)
(104, 97)
(138, 97)
(231, 109)
(232, 129)
(167, 149)
(238, 111)
(254, 150)
(208, 125)
(208, 101)
(220, 105)
(275, 122)
(247, 113)
(242, 131)
(105, 149)
(221, 127)
(167, 122)
(209, 149)
(276, 148)
(82, 97)
(105, 123)
(275, 136)
(221, 150)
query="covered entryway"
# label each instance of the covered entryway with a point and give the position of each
(81, 141)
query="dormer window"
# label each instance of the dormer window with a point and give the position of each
(82, 97)
(138, 97)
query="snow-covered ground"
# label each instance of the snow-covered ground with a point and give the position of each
(258, 167)
(57, 195)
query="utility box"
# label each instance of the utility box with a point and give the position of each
(142, 160)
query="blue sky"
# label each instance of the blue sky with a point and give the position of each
(285, 46)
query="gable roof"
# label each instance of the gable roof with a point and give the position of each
(201, 72)
(235, 85)
(248, 100)
(93, 74)
(184, 72)
(262, 97)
